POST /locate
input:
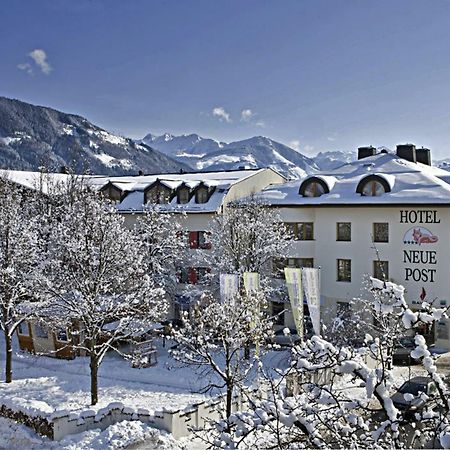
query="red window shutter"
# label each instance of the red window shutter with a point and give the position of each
(192, 275)
(193, 239)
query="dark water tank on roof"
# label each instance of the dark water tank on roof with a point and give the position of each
(364, 152)
(423, 155)
(407, 151)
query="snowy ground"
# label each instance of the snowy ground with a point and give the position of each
(43, 385)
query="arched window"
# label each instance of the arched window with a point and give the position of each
(373, 186)
(313, 187)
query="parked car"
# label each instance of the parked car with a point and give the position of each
(409, 398)
(286, 338)
(402, 351)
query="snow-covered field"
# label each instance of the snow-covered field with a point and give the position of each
(43, 385)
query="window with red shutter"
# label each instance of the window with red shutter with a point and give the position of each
(193, 239)
(192, 275)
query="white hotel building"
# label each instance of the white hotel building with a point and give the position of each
(395, 204)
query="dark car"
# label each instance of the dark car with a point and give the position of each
(402, 351)
(409, 397)
(284, 337)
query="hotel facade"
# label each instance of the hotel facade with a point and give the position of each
(385, 215)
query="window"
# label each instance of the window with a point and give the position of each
(183, 275)
(344, 270)
(201, 196)
(23, 329)
(313, 187)
(193, 275)
(305, 231)
(381, 270)
(278, 313)
(199, 239)
(40, 331)
(373, 186)
(300, 262)
(343, 231)
(343, 311)
(291, 228)
(202, 274)
(159, 195)
(279, 264)
(62, 335)
(183, 196)
(381, 232)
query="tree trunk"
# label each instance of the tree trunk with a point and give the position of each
(94, 379)
(8, 348)
(229, 402)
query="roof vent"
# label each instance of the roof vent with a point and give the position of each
(364, 152)
(423, 155)
(407, 151)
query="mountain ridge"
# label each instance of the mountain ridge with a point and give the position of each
(209, 154)
(33, 136)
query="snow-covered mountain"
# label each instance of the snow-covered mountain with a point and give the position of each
(33, 136)
(258, 151)
(333, 159)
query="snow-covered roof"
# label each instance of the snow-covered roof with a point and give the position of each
(34, 180)
(409, 182)
(135, 187)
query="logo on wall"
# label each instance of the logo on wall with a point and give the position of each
(419, 236)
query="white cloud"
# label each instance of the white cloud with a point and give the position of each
(221, 114)
(39, 58)
(246, 115)
(295, 144)
(261, 124)
(26, 67)
(331, 139)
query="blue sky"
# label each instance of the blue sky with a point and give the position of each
(316, 74)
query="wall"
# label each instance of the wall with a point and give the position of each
(432, 276)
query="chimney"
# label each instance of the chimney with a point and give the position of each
(407, 151)
(140, 173)
(423, 155)
(364, 152)
(64, 169)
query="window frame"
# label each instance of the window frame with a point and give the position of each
(39, 331)
(384, 271)
(302, 233)
(339, 237)
(374, 232)
(346, 275)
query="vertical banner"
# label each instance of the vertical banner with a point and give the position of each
(311, 288)
(294, 287)
(251, 282)
(229, 286)
(251, 285)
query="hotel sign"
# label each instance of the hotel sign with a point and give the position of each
(421, 257)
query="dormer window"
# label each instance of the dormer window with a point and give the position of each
(313, 187)
(183, 195)
(201, 196)
(112, 192)
(373, 186)
(159, 194)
